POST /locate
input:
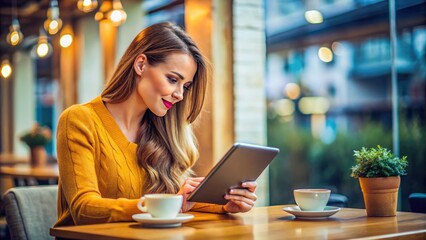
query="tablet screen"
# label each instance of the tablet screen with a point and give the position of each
(243, 162)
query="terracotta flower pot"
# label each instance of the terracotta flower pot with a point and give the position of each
(380, 195)
(38, 156)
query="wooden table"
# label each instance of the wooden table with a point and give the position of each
(22, 172)
(262, 223)
(9, 159)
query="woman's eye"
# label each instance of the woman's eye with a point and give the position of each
(187, 88)
(172, 80)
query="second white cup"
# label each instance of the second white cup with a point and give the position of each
(311, 199)
(161, 205)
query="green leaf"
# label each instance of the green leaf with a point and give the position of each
(377, 162)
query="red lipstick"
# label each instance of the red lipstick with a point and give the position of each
(167, 104)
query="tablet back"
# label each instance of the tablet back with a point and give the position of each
(243, 162)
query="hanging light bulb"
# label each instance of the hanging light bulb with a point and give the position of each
(117, 15)
(53, 23)
(66, 40)
(6, 69)
(15, 36)
(87, 5)
(43, 48)
(66, 36)
(113, 12)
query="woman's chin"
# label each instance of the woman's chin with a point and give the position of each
(160, 113)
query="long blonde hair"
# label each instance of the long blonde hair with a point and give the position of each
(167, 148)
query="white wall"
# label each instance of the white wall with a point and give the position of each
(249, 77)
(133, 25)
(23, 99)
(91, 78)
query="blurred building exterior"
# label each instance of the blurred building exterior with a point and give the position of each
(334, 76)
(357, 78)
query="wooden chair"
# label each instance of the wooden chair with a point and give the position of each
(338, 200)
(417, 202)
(30, 211)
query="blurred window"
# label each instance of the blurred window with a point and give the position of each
(45, 89)
(342, 67)
(165, 10)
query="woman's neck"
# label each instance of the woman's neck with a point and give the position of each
(128, 116)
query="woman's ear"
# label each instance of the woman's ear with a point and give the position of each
(139, 64)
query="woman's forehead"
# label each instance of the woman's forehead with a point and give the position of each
(181, 64)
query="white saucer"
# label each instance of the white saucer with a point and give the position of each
(314, 215)
(147, 220)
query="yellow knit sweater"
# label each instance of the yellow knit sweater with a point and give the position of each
(99, 178)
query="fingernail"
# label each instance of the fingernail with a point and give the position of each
(231, 191)
(244, 184)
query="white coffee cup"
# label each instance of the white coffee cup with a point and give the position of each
(311, 199)
(161, 205)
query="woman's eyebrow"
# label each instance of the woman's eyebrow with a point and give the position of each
(179, 75)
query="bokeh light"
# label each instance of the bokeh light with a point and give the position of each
(292, 90)
(6, 69)
(325, 54)
(314, 105)
(314, 16)
(66, 40)
(284, 107)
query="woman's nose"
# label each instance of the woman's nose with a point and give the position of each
(178, 94)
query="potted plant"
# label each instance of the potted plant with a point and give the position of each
(36, 139)
(379, 171)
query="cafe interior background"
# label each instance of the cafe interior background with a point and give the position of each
(311, 77)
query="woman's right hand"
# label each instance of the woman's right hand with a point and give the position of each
(187, 188)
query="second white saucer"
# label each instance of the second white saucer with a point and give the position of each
(314, 215)
(147, 220)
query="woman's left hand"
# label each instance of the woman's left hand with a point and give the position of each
(241, 200)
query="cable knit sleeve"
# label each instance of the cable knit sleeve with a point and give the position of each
(77, 148)
(207, 207)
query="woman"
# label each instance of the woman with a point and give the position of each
(136, 137)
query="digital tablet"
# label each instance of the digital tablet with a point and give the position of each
(243, 162)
